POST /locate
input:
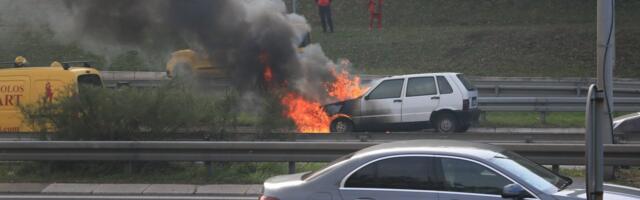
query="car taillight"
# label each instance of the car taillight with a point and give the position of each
(268, 198)
(465, 104)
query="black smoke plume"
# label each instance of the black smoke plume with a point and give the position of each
(232, 33)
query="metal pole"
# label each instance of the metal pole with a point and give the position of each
(593, 146)
(294, 6)
(599, 123)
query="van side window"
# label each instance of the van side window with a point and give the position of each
(421, 86)
(444, 86)
(387, 89)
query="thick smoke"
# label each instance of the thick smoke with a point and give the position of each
(232, 33)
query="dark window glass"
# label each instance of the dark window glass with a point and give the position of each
(396, 173)
(89, 79)
(387, 89)
(444, 86)
(421, 86)
(631, 125)
(466, 82)
(465, 176)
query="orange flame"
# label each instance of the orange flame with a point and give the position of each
(344, 88)
(309, 116)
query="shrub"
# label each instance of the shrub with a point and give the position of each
(132, 114)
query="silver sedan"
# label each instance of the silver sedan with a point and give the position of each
(432, 169)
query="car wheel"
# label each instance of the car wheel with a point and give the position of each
(341, 126)
(446, 123)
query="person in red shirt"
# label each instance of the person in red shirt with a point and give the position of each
(324, 6)
(375, 12)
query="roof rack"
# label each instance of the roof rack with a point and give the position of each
(67, 64)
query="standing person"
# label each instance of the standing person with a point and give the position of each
(375, 12)
(324, 6)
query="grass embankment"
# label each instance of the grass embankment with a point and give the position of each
(482, 38)
(150, 172)
(488, 38)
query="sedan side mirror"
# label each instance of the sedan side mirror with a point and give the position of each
(366, 97)
(514, 191)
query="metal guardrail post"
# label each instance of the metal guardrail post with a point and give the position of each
(128, 168)
(209, 166)
(292, 167)
(543, 117)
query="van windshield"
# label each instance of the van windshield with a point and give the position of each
(89, 80)
(466, 83)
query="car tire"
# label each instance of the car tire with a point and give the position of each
(341, 125)
(446, 123)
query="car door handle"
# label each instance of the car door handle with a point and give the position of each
(365, 198)
(397, 101)
(435, 97)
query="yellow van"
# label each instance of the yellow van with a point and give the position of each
(20, 85)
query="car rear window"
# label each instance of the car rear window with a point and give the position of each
(444, 86)
(466, 82)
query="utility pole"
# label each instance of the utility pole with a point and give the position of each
(600, 102)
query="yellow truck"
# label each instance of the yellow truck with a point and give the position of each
(22, 85)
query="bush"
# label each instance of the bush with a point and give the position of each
(132, 114)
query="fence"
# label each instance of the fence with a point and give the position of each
(546, 154)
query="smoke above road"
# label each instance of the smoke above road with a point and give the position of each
(232, 33)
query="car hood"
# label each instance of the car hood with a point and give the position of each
(611, 191)
(342, 107)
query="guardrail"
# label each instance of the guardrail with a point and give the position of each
(576, 137)
(543, 105)
(551, 104)
(547, 154)
(487, 86)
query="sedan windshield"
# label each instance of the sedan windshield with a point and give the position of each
(537, 176)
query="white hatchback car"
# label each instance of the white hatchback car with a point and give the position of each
(447, 102)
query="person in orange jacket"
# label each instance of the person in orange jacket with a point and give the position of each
(375, 12)
(324, 7)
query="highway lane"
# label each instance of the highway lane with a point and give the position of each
(122, 197)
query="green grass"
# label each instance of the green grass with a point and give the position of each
(533, 119)
(150, 172)
(482, 38)
(488, 38)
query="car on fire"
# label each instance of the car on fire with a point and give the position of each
(432, 169)
(447, 102)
